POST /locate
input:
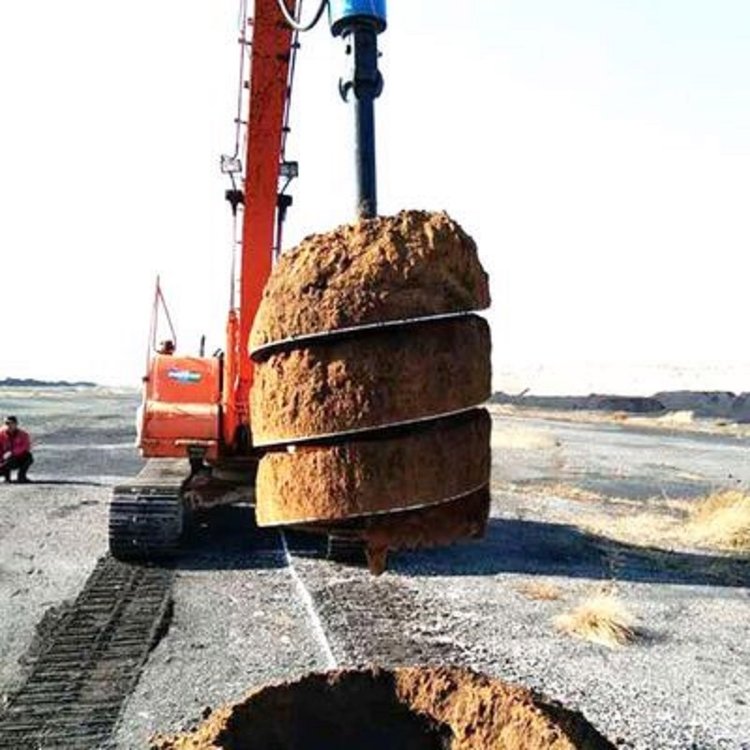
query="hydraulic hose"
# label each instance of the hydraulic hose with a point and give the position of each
(296, 23)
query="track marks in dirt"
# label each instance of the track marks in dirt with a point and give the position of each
(372, 620)
(87, 658)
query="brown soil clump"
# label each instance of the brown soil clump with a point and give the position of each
(437, 525)
(382, 377)
(412, 708)
(411, 265)
(389, 472)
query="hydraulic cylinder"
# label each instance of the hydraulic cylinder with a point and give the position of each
(358, 23)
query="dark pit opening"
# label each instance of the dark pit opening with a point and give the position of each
(358, 710)
(407, 708)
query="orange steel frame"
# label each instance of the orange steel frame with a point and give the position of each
(269, 90)
(182, 404)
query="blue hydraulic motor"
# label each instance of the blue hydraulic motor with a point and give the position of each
(358, 23)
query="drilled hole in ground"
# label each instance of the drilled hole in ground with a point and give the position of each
(359, 710)
(410, 708)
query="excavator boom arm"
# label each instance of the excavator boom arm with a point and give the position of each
(271, 48)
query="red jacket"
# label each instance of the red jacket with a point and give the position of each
(18, 443)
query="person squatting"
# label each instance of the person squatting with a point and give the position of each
(15, 450)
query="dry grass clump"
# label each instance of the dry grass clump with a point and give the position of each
(570, 492)
(676, 418)
(540, 591)
(643, 529)
(602, 619)
(721, 521)
(522, 438)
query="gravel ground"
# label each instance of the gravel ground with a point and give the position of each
(244, 616)
(44, 559)
(238, 622)
(683, 684)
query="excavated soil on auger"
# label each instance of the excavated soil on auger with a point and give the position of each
(411, 265)
(370, 367)
(382, 377)
(418, 468)
(412, 708)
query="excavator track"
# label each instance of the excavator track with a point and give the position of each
(147, 515)
(145, 522)
(90, 663)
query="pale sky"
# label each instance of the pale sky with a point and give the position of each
(598, 151)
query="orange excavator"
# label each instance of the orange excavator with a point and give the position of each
(197, 407)
(350, 390)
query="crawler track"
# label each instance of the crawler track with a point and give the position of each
(91, 662)
(145, 522)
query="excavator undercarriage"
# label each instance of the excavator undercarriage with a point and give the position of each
(147, 516)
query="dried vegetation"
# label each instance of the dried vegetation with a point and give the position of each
(540, 590)
(521, 438)
(602, 618)
(718, 522)
(721, 521)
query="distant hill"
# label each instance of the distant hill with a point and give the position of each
(592, 402)
(31, 383)
(709, 404)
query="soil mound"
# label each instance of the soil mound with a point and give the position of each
(717, 404)
(448, 522)
(411, 265)
(741, 408)
(412, 708)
